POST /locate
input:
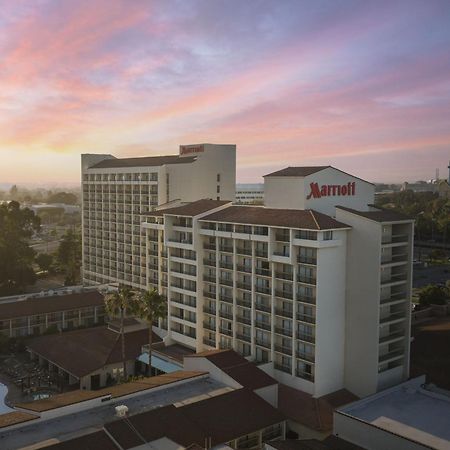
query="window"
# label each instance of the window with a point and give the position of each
(218, 189)
(327, 235)
(218, 177)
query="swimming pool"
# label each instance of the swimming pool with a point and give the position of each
(3, 392)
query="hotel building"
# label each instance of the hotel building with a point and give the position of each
(118, 192)
(316, 284)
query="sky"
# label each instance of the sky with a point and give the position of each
(361, 85)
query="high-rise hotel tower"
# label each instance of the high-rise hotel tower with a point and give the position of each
(315, 285)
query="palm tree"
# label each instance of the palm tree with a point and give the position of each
(151, 306)
(116, 304)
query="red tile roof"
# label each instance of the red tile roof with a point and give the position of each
(191, 209)
(222, 418)
(290, 218)
(146, 161)
(49, 304)
(246, 373)
(314, 413)
(93, 347)
(379, 215)
(290, 171)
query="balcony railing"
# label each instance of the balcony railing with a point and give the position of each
(242, 285)
(244, 303)
(243, 251)
(261, 307)
(209, 278)
(284, 312)
(241, 268)
(394, 278)
(305, 356)
(306, 299)
(226, 281)
(263, 325)
(209, 294)
(306, 279)
(304, 375)
(225, 265)
(395, 239)
(262, 342)
(263, 272)
(283, 368)
(209, 262)
(392, 336)
(261, 253)
(284, 294)
(285, 275)
(393, 316)
(244, 337)
(226, 315)
(210, 342)
(226, 331)
(226, 248)
(282, 237)
(306, 260)
(208, 310)
(283, 349)
(283, 331)
(306, 318)
(209, 246)
(306, 337)
(226, 298)
(391, 355)
(263, 289)
(244, 320)
(209, 326)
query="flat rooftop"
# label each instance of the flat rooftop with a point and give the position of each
(64, 428)
(409, 410)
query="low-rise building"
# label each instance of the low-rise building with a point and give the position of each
(250, 194)
(92, 357)
(34, 314)
(410, 416)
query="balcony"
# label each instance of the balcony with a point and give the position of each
(226, 298)
(226, 331)
(210, 342)
(244, 320)
(395, 239)
(263, 272)
(264, 308)
(208, 310)
(284, 312)
(209, 278)
(225, 265)
(394, 278)
(241, 268)
(283, 368)
(226, 248)
(306, 338)
(226, 315)
(304, 375)
(306, 299)
(262, 342)
(282, 237)
(263, 289)
(284, 294)
(243, 251)
(307, 260)
(307, 280)
(246, 286)
(244, 303)
(283, 350)
(282, 254)
(207, 246)
(397, 315)
(261, 253)
(263, 325)
(306, 318)
(283, 331)
(209, 294)
(392, 337)
(391, 355)
(209, 262)
(395, 297)
(244, 337)
(209, 326)
(181, 241)
(305, 356)
(284, 275)
(226, 282)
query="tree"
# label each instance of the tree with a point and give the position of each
(433, 295)
(151, 306)
(17, 226)
(66, 198)
(69, 257)
(116, 304)
(14, 193)
(44, 261)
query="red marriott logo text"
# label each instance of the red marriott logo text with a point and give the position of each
(328, 190)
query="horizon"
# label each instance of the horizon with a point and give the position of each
(363, 87)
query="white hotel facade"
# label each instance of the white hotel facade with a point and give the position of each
(316, 284)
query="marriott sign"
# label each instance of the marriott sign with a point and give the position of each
(328, 190)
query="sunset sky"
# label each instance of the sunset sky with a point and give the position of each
(361, 85)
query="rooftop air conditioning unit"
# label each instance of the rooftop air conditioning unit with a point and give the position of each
(121, 411)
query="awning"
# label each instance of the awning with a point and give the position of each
(160, 364)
